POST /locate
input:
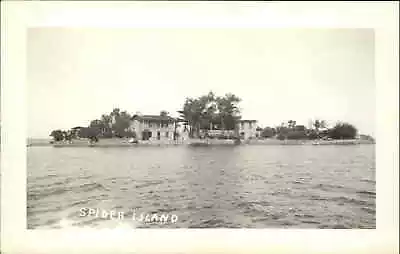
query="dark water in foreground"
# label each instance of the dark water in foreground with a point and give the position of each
(205, 187)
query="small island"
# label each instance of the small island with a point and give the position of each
(205, 120)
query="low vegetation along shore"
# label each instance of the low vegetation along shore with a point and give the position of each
(197, 142)
(197, 123)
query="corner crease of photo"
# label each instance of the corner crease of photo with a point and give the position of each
(201, 128)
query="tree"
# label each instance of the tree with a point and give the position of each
(107, 121)
(296, 135)
(367, 137)
(209, 117)
(194, 113)
(164, 113)
(343, 131)
(208, 111)
(282, 130)
(268, 132)
(318, 124)
(115, 112)
(130, 134)
(229, 112)
(57, 135)
(291, 124)
(188, 113)
(116, 123)
(121, 122)
(281, 137)
(96, 124)
(300, 128)
(91, 133)
(68, 136)
(312, 134)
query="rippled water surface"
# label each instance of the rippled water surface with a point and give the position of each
(205, 187)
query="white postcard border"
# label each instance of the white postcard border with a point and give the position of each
(18, 16)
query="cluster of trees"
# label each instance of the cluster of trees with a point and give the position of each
(318, 130)
(207, 112)
(210, 112)
(85, 132)
(115, 124)
(343, 131)
(60, 135)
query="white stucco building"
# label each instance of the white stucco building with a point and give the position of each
(247, 129)
(153, 127)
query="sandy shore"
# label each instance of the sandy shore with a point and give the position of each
(102, 143)
(308, 142)
(125, 143)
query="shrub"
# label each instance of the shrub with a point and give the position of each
(367, 137)
(297, 135)
(107, 134)
(343, 131)
(90, 133)
(312, 135)
(300, 128)
(267, 132)
(130, 134)
(57, 135)
(281, 137)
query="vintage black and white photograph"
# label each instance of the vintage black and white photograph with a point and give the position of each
(201, 128)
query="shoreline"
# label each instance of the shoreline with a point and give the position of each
(108, 143)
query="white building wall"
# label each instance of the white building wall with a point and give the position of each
(249, 129)
(139, 126)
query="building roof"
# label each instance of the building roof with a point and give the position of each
(153, 118)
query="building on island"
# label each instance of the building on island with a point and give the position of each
(164, 128)
(153, 127)
(247, 129)
(75, 132)
(259, 131)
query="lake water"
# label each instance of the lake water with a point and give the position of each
(204, 187)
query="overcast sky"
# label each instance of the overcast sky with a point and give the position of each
(75, 75)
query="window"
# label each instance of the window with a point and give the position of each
(166, 134)
(146, 135)
(158, 135)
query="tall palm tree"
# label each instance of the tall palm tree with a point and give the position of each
(323, 124)
(229, 112)
(207, 110)
(188, 114)
(106, 119)
(318, 124)
(115, 112)
(290, 123)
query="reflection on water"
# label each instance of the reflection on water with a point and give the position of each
(206, 187)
